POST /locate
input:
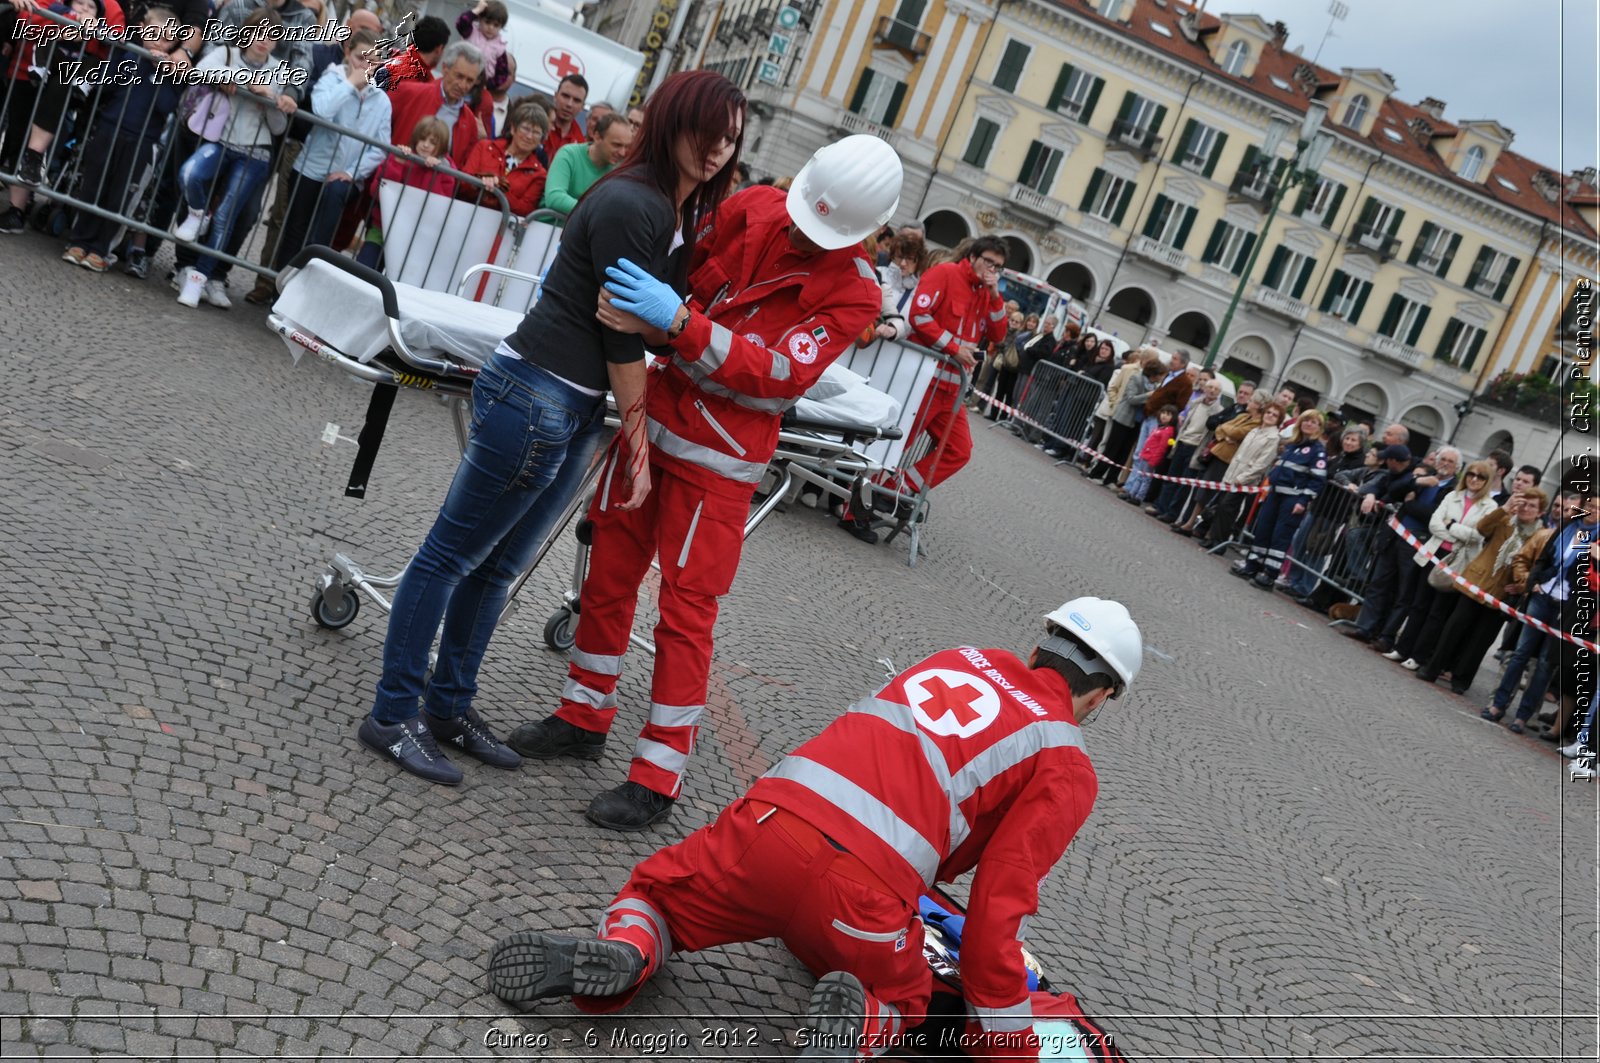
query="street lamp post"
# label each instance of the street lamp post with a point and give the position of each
(1311, 150)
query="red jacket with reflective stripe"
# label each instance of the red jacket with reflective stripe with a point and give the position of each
(952, 306)
(977, 729)
(766, 321)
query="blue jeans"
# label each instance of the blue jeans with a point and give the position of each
(240, 177)
(532, 439)
(1530, 647)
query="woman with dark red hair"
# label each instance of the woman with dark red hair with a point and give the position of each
(538, 410)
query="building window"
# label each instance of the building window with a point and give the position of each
(1011, 64)
(1138, 121)
(1039, 168)
(1377, 227)
(1199, 147)
(1075, 93)
(1435, 249)
(1460, 344)
(1471, 163)
(1346, 297)
(1169, 223)
(1492, 272)
(1238, 55)
(984, 133)
(1403, 320)
(1289, 272)
(1356, 111)
(878, 97)
(1229, 247)
(1320, 201)
(1108, 8)
(1107, 196)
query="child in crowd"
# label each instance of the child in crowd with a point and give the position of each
(1151, 456)
(131, 115)
(237, 163)
(430, 138)
(484, 28)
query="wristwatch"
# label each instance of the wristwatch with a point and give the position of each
(677, 330)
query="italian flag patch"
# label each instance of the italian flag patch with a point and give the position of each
(820, 334)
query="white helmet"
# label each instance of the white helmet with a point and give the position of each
(846, 191)
(1098, 636)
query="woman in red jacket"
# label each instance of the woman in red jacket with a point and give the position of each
(509, 163)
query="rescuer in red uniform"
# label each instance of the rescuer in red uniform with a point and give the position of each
(971, 759)
(957, 306)
(779, 288)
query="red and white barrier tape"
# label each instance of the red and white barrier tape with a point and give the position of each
(1186, 481)
(1482, 595)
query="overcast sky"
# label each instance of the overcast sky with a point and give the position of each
(1531, 65)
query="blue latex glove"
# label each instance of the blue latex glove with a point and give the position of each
(636, 292)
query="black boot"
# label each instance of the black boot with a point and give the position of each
(532, 965)
(555, 737)
(629, 807)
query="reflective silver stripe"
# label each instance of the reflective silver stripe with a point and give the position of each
(749, 402)
(867, 935)
(1010, 751)
(688, 540)
(598, 663)
(780, 366)
(944, 339)
(654, 922)
(899, 716)
(576, 691)
(947, 375)
(670, 443)
(675, 715)
(922, 319)
(717, 350)
(662, 756)
(865, 809)
(605, 478)
(998, 315)
(865, 270)
(1006, 1020)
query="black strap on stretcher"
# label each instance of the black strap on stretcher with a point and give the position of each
(371, 438)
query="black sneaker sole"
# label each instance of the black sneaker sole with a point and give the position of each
(836, 1018)
(532, 965)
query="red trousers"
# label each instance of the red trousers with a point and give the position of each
(759, 872)
(945, 421)
(698, 534)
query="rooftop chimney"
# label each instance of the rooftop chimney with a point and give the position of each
(1280, 33)
(1432, 107)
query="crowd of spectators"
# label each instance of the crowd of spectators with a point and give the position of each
(218, 164)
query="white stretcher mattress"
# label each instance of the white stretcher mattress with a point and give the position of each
(347, 312)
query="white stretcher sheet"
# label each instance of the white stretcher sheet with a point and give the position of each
(347, 312)
(843, 399)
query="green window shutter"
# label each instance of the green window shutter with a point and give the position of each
(1275, 267)
(1306, 270)
(1369, 210)
(1155, 123)
(1216, 153)
(1052, 163)
(1422, 241)
(1391, 316)
(1060, 90)
(1030, 161)
(1336, 285)
(1306, 191)
(1152, 224)
(1090, 100)
(1333, 206)
(1122, 204)
(1472, 350)
(1416, 326)
(1128, 101)
(1505, 279)
(1452, 329)
(1484, 254)
(1011, 64)
(1364, 290)
(1251, 153)
(1449, 254)
(1246, 245)
(861, 91)
(896, 98)
(1183, 141)
(982, 142)
(1183, 228)
(1214, 243)
(1394, 221)
(1093, 189)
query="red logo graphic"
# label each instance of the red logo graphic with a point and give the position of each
(822, 208)
(802, 348)
(947, 702)
(560, 63)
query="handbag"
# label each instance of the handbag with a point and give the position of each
(1438, 579)
(204, 111)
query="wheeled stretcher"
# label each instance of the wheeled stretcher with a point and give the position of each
(397, 336)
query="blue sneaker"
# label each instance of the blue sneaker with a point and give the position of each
(471, 735)
(412, 746)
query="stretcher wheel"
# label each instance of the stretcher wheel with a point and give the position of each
(561, 630)
(340, 613)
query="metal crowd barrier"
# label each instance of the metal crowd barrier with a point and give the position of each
(430, 239)
(1058, 404)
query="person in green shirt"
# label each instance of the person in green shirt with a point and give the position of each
(577, 166)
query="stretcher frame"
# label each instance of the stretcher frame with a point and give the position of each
(337, 594)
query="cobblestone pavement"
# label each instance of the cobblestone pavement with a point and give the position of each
(1298, 851)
